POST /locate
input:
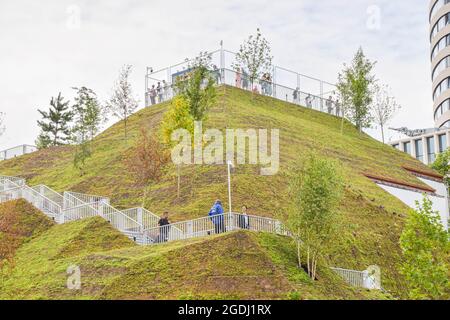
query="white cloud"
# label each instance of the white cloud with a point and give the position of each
(41, 56)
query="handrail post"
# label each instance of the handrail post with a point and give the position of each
(189, 229)
(139, 219)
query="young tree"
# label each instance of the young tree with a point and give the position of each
(425, 246)
(442, 165)
(87, 113)
(177, 117)
(384, 106)
(198, 88)
(255, 56)
(355, 87)
(122, 103)
(55, 125)
(87, 117)
(315, 189)
(146, 160)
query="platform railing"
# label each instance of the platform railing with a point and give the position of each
(210, 225)
(16, 151)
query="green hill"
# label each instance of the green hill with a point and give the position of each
(237, 265)
(372, 218)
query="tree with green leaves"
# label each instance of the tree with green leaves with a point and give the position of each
(198, 87)
(177, 117)
(384, 106)
(87, 114)
(316, 188)
(426, 252)
(122, 103)
(254, 56)
(442, 165)
(356, 89)
(55, 124)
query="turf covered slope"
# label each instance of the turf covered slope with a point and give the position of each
(233, 266)
(371, 218)
(19, 222)
(41, 263)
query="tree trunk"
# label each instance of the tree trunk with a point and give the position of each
(382, 132)
(308, 263)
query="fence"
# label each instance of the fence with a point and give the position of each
(367, 279)
(50, 194)
(206, 226)
(280, 83)
(16, 151)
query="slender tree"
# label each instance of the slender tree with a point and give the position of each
(315, 190)
(177, 117)
(198, 87)
(87, 113)
(55, 124)
(146, 160)
(122, 103)
(426, 251)
(384, 107)
(254, 56)
(356, 88)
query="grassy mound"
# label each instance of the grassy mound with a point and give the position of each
(19, 222)
(232, 266)
(372, 219)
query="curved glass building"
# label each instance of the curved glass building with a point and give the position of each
(440, 61)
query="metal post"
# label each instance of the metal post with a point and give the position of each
(146, 88)
(229, 165)
(140, 220)
(274, 81)
(222, 62)
(321, 96)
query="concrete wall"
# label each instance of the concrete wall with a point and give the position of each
(440, 203)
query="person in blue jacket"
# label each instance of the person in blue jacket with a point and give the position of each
(216, 216)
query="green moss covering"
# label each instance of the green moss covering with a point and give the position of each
(372, 219)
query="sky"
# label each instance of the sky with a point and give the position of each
(51, 46)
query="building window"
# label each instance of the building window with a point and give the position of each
(443, 86)
(431, 150)
(407, 147)
(419, 150)
(442, 143)
(441, 66)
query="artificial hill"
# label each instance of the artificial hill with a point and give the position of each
(373, 219)
(240, 265)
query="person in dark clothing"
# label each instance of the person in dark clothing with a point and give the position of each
(216, 216)
(164, 228)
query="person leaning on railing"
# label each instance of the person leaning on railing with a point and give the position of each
(216, 216)
(164, 228)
